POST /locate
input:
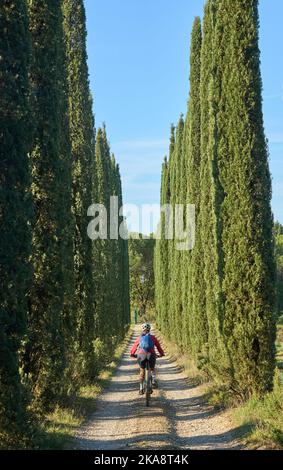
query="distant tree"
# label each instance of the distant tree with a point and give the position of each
(141, 273)
(278, 229)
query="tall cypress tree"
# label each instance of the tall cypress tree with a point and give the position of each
(175, 162)
(115, 289)
(165, 243)
(214, 357)
(124, 262)
(112, 303)
(99, 244)
(249, 275)
(82, 152)
(195, 325)
(122, 273)
(67, 232)
(15, 210)
(171, 172)
(103, 246)
(180, 183)
(44, 359)
(115, 272)
(158, 265)
(109, 273)
(204, 219)
(160, 258)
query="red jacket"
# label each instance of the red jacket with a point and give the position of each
(156, 344)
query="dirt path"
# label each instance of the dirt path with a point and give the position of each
(176, 419)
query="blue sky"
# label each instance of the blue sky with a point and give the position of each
(139, 66)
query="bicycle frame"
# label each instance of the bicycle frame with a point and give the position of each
(147, 380)
(147, 383)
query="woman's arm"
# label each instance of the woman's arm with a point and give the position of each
(135, 346)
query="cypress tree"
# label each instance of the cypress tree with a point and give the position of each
(160, 258)
(67, 232)
(116, 281)
(213, 354)
(125, 270)
(109, 273)
(165, 279)
(157, 266)
(15, 211)
(104, 297)
(157, 276)
(249, 275)
(172, 170)
(204, 219)
(195, 319)
(116, 291)
(116, 258)
(44, 358)
(82, 153)
(126, 283)
(99, 266)
(179, 254)
(111, 256)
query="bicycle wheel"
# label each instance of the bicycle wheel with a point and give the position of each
(147, 384)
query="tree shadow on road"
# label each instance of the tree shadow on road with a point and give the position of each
(166, 441)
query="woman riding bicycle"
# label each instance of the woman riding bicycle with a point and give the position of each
(140, 353)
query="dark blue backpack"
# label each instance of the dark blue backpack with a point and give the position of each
(146, 343)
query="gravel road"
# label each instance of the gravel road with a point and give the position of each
(176, 419)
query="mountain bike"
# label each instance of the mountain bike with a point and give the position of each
(147, 383)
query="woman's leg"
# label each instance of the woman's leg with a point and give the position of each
(152, 363)
(142, 374)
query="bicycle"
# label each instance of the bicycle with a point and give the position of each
(147, 380)
(147, 383)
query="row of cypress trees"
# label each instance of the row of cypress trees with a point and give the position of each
(64, 298)
(217, 300)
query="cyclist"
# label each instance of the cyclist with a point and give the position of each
(138, 352)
